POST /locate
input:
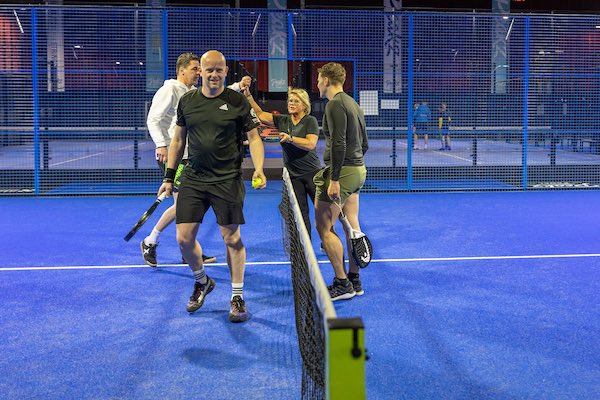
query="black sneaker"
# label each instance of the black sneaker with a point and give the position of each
(200, 292)
(149, 253)
(356, 283)
(341, 290)
(205, 259)
(238, 311)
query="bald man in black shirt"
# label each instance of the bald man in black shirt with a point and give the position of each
(214, 121)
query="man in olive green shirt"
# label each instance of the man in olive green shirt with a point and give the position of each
(342, 178)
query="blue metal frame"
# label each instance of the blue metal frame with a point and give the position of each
(36, 101)
(290, 44)
(410, 93)
(165, 33)
(525, 101)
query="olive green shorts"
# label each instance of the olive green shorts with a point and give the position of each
(351, 181)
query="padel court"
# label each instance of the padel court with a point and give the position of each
(482, 286)
(489, 295)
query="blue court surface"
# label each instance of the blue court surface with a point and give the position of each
(489, 295)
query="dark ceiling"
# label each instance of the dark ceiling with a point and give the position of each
(517, 6)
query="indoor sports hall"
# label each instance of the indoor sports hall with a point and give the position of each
(483, 282)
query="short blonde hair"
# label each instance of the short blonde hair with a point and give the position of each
(302, 95)
(335, 72)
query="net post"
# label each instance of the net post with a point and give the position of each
(346, 355)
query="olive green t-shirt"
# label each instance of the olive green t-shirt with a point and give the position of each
(345, 134)
(298, 161)
(216, 130)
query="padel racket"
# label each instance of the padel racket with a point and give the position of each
(268, 133)
(144, 217)
(361, 248)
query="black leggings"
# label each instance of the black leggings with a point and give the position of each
(304, 187)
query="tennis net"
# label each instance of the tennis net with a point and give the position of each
(312, 303)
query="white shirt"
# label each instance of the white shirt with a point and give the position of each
(162, 116)
(163, 111)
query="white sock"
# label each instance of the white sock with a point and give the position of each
(200, 276)
(237, 289)
(153, 237)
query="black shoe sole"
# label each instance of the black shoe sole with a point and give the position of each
(345, 296)
(238, 319)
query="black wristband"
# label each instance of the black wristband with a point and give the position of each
(170, 175)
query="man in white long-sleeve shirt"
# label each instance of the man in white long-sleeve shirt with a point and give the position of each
(161, 125)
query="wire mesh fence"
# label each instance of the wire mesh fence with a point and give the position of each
(453, 101)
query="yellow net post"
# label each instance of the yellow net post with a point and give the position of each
(346, 359)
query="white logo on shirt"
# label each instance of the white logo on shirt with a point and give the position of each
(224, 107)
(255, 118)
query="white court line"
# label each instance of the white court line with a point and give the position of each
(132, 266)
(445, 153)
(473, 258)
(405, 145)
(476, 258)
(94, 155)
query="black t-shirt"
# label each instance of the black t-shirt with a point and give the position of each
(296, 160)
(215, 132)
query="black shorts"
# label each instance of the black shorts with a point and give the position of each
(195, 198)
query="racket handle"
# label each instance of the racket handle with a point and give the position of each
(161, 197)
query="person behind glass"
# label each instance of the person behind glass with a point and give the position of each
(161, 126)
(414, 126)
(422, 119)
(214, 121)
(299, 133)
(444, 120)
(344, 175)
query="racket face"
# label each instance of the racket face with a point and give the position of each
(362, 251)
(141, 221)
